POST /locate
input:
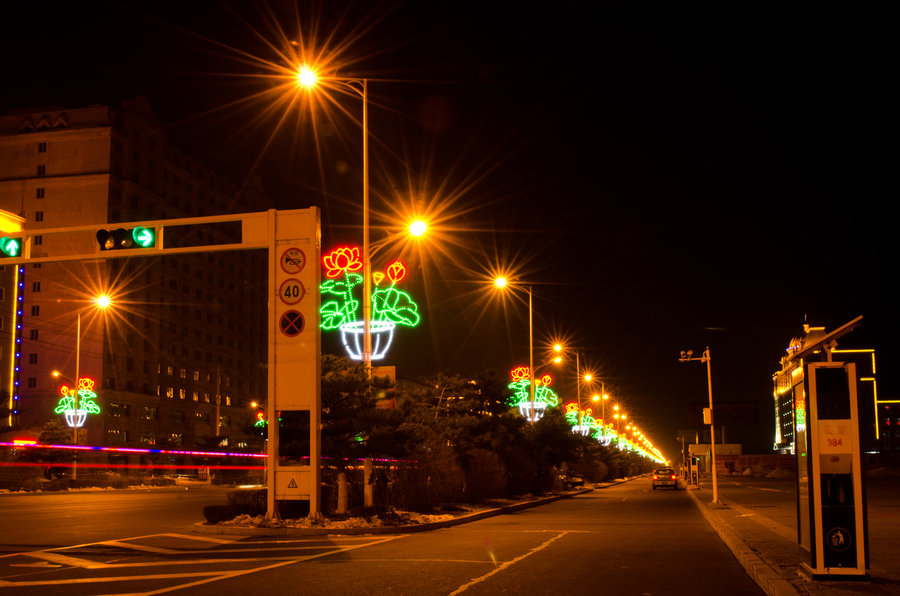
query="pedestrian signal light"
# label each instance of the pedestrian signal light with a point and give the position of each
(10, 247)
(138, 237)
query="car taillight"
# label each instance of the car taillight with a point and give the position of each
(673, 476)
(655, 477)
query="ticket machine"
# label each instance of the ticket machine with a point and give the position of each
(836, 501)
(831, 506)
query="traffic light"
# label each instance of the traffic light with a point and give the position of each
(138, 237)
(10, 247)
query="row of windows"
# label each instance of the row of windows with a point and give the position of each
(116, 436)
(151, 413)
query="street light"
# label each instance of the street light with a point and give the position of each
(587, 377)
(688, 356)
(502, 284)
(418, 227)
(308, 78)
(102, 302)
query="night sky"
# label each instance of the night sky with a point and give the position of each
(665, 177)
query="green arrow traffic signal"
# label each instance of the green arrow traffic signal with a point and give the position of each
(143, 237)
(138, 237)
(10, 247)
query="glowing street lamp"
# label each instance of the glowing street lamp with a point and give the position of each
(82, 387)
(418, 228)
(308, 78)
(502, 284)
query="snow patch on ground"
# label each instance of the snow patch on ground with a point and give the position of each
(396, 518)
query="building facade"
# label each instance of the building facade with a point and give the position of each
(790, 396)
(180, 353)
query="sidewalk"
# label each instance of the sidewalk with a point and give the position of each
(769, 552)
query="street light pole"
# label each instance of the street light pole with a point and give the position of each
(308, 78)
(688, 357)
(367, 265)
(578, 387)
(531, 350)
(75, 399)
(603, 398)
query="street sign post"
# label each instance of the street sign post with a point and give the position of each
(295, 361)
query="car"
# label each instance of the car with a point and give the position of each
(665, 477)
(570, 481)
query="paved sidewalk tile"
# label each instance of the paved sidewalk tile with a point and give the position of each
(773, 558)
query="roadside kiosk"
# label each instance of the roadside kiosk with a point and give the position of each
(831, 505)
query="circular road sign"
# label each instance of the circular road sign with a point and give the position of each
(291, 291)
(293, 260)
(838, 539)
(291, 323)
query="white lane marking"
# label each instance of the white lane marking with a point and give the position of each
(200, 538)
(66, 560)
(90, 580)
(266, 568)
(208, 576)
(540, 547)
(140, 547)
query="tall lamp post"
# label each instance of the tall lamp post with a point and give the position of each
(308, 78)
(688, 356)
(578, 379)
(501, 283)
(101, 302)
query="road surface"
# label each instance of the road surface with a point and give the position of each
(626, 539)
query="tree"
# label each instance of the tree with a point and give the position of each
(349, 414)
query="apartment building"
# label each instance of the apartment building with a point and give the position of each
(180, 354)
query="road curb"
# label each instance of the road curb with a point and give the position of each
(204, 528)
(756, 567)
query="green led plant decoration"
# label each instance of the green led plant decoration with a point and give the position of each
(390, 306)
(76, 404)
(544, 397)
(583, 421)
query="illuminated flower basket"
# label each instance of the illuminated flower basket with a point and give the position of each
(585, 424)
(390, 306)
(75, 418)
(382, 333)
(544, 397)
(74, 412)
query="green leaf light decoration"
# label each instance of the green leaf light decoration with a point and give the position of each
(391, 307)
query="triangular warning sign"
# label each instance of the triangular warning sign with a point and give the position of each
(292, 484)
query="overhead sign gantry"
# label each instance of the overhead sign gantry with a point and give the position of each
(293, 241)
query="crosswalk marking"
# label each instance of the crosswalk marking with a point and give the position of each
(140, 547)
(259, 562)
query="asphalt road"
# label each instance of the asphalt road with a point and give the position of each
(625, 539)
(44, 520)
